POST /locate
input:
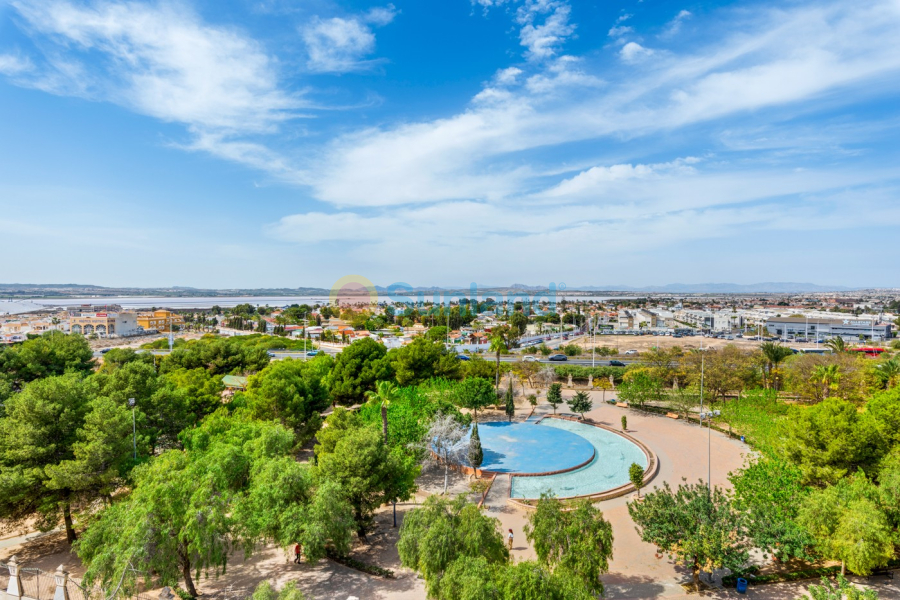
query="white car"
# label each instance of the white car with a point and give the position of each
(630, 352)
(531, 358)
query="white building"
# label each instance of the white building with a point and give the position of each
(815, 328)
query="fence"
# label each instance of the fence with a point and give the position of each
(24, 583)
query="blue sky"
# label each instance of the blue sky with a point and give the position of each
(290, 143)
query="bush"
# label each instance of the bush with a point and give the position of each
(583, 372)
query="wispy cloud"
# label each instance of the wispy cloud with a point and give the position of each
(12, 64)
(674, 26)
(340, 44)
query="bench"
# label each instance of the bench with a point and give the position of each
(672, 415)
(622, 404)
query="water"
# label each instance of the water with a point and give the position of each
(609, 469)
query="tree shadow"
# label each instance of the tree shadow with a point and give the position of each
(631, 586)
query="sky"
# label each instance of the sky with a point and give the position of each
(277, 143)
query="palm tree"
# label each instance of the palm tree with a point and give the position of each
(890, 370)
(827, 375)
(385, 392)
(774, 354)
(836, 345)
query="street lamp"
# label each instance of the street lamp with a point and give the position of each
(131, 403)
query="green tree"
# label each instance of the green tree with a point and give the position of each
(636, 476)
(219, 356)
(773, 355)
(829, 440)
(356, 369)
(476, 454)
(118, 357)
(840, 590)
(827, 376)
(289, 391)
(51, 354)
(889, 371)
(640, 388)
(554, 395)
(578, 541)
(518, 323)
(423, 360)
(498, 346)
(39, 431)
(624, 423)
(368, 471)
(475, 393)
(444, 530)
(769, 493)
(437, 334)
(580, 403)
(836, 345)
(385, 393)
(509, 401)
(696, 524)
(191, 509)
(265, 591)
(849, 524)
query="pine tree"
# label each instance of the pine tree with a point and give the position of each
(476, 454)
(510, 405)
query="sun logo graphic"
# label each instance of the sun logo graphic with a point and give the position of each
(353, 290)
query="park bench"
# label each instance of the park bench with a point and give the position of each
(622, 404)
(672, 415)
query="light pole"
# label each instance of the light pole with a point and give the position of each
(131, 403)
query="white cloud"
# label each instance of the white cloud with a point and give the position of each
(11, 64)
(545, 26)
(162, 61)
(338, 45)
(674, 26)
(633, 52)
(619, 31)
(775, 60)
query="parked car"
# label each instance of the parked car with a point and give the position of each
(462, 357)
(531, 358)
(630, 352)
(616, 363)
(558, 357)
(312, 353)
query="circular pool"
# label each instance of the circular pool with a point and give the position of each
(607, 470)
(526, 448)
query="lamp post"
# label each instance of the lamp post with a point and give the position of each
(131, 403)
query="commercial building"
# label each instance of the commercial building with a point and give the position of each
(161, 320)
(848, 328)
(104, 324)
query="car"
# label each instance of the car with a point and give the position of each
(558, 357)
(677, 335)
(630, 352)
(531, 358)
(105, 350)
(548, 338)
(616, 363)
(462, 357)
(312, 353)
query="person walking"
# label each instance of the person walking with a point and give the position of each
(509, 539)
(297, 551)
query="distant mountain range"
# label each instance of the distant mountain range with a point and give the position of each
(62, 290)
(723, 288)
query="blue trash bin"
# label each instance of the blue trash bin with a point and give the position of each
(741, 585)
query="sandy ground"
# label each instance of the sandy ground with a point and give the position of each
(634, 571)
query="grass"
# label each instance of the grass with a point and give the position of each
(757, 415)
